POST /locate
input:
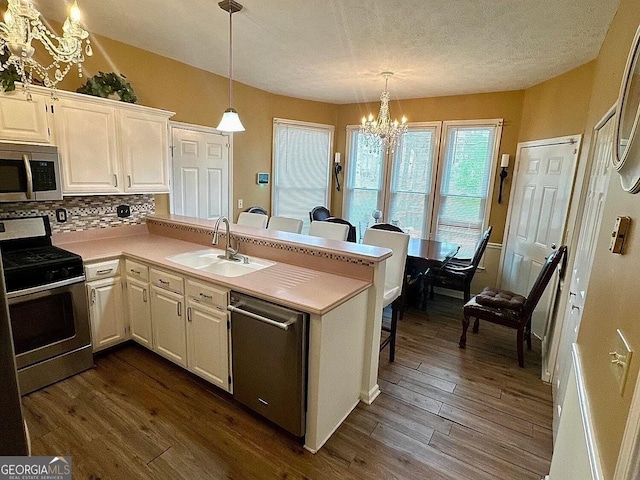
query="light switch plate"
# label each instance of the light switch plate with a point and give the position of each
(620, 359)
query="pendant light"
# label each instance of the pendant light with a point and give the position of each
(230, 120)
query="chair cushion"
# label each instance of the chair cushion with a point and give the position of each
(493, 297)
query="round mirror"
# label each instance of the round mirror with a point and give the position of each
(627, 148)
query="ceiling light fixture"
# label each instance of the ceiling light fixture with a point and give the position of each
(22, 25)
(230, 120)
(382, 132)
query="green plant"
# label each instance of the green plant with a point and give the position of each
(9, 75)
(104, 84)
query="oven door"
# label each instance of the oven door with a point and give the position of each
(49, 320)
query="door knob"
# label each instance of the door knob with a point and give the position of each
(553, 246)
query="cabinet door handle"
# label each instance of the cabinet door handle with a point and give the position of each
(104, 272)
(188, 314)
(93, 296)
(144, 295)
(115, 178)
(129, 179)
(137, 272)
(179, 309)
(163, 282)
(208, 297)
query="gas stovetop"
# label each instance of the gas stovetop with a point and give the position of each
(28, 258)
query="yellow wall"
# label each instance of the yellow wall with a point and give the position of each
(558, 107)
(505, 105)
(613, 301)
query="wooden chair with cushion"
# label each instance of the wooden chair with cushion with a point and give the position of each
(351, 237)
(329, 230)
(285, 224)
(458, 273)
(510, 309)
(319, 213)
(395, 279)
(256, 209)
(257, 220)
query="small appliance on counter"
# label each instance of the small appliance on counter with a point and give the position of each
(48, 306)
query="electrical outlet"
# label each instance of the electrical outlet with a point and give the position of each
(123, 211)
(240, 203)
(620, 358)
(61, 215)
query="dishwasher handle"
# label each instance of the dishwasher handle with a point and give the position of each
(255, 316)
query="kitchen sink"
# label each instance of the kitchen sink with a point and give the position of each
(208, 260)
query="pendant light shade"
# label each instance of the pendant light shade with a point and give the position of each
(230, 120)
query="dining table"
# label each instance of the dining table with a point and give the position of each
(423, 254)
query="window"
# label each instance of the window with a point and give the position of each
(301, 168)
(430, 192)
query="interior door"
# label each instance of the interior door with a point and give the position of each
(587, 238)
(537, 216)
(201, 172)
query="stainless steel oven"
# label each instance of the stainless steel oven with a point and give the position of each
(47, 301)
(29, 172)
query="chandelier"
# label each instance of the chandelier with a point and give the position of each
(22, 25)
(382, 132)
(230, 120)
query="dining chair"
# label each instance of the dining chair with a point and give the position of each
(394, 281)
(387, 226)
(285, 224)
(457, 274)
(330, 230)
(351, 237)
(510, 309)
(256, 209)
(257, 220)
(319, 213)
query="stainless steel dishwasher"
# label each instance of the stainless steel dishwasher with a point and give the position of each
(270, 360)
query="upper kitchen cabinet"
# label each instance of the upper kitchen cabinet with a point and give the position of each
(23, 120)
(144, 142)
(86, 135)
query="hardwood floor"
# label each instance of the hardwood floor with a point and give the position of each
(445, 413)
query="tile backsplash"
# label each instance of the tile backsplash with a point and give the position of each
(84, 213)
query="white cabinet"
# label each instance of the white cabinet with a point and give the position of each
(22, 120)
(168, 316)
(106, 312)
(208, 333)
(87, 141)
(138, 302)
(144, 149)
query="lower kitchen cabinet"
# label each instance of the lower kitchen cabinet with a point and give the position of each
(169, 329)
(106, 312)
(208, 333)
(139, 311)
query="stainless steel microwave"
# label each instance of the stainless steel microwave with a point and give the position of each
(29, 172)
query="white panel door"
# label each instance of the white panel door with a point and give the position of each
(537, 216)
(201, 173)
(589, 227)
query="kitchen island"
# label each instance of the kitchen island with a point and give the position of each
(338, 284)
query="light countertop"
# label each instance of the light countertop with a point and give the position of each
(292, 286)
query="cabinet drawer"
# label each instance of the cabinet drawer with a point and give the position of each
(137, 270)
(206, 294)
(166, 280)
(95, 271)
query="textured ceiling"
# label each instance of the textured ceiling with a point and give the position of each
(334, 50)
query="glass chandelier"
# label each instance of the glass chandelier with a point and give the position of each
(230, 120)
(22, 25)
(383, 132)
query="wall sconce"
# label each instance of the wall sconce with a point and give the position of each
(337, 168)
(504, 164)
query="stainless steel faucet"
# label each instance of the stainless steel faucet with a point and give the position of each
(229, 252)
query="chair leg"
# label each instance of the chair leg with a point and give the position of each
(527, 335)
(431, 292)
(476, 326)
(465, 326)
(520, 340)
(422, 297)
(395, 314)
(467, 292)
